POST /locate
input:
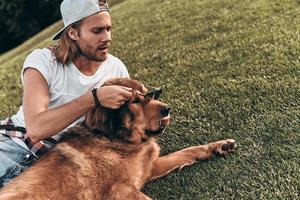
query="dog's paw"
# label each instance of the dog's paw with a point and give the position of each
(223, 147)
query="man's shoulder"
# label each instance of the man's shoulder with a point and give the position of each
(114, 60)
(43, 55)
(41, 58)
(112, 57)
(115, 65)
(44, 51)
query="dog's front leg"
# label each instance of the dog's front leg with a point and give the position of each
(188, 156)
(125, 191)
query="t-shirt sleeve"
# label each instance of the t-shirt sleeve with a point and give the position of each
(123, 72)
(39, 59)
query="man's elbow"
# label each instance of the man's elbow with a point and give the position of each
(33, 135)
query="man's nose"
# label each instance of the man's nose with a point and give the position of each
(107, 36)
(165, 111)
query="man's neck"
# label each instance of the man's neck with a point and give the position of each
(85, 66)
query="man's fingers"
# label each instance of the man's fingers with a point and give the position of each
(118, 105)
(121, 101)
(127, 88)
(114, 96)
(126, 92)
(124, 99)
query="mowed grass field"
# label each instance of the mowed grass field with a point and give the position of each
(228, 69)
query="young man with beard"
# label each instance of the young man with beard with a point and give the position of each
(61, 84)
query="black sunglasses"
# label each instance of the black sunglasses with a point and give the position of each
(153, 93)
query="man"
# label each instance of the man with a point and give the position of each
(61, 84)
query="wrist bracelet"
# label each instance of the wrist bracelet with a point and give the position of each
(97, 102)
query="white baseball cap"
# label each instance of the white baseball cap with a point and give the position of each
(75, 10)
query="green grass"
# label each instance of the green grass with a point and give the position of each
(229, 69)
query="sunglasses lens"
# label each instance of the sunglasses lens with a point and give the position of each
(154, 92)
(157, 94)
(149, 95)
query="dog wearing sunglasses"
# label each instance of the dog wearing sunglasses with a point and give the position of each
(112, 155)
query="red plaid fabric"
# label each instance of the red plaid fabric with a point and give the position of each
(7, 128)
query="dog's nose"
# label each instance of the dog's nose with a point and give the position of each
(165, 111)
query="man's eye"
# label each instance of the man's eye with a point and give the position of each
(100, 30)
(97, 30)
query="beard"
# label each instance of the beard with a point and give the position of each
(90, 52)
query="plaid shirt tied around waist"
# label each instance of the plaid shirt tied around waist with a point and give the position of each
(7, 128)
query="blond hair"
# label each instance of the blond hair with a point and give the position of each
(66, 49)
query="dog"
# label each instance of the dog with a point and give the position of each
(111, 155)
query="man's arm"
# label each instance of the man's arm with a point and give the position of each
(42, 122)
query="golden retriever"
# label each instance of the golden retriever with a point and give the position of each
(111, 156)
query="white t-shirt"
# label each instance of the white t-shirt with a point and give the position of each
(66, 82)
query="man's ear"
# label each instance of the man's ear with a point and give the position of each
(73, 33)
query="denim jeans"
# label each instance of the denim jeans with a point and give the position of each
(14, 159)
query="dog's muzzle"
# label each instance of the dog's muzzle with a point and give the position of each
(165, 117)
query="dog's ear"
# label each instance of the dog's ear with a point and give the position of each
(90, 119)
(96, 118)
(108, 122)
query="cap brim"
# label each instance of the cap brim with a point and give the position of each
(58, 34)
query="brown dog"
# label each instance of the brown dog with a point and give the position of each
(111, 156)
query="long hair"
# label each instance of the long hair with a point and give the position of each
(66, 49)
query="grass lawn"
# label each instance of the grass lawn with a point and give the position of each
(229, 69)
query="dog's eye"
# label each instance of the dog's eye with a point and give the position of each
(136, 100)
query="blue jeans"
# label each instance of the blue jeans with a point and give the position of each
(14, 159)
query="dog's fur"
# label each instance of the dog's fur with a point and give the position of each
(111, 156)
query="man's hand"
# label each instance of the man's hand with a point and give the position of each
(113, 96)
